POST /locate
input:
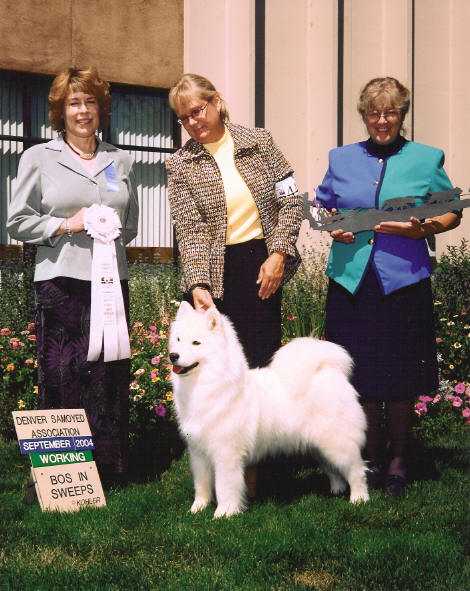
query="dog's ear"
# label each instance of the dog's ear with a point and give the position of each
(184, 309)
(214, 320)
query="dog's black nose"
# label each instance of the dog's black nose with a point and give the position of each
(174, 357)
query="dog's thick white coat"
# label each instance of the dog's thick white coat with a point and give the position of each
(231, 416)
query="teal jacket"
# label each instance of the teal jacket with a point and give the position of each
(360, 176)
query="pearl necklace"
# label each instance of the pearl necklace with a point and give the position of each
(83, 155)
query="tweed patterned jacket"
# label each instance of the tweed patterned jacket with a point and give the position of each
(198, 205)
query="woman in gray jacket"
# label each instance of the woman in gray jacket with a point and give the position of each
(57, 182)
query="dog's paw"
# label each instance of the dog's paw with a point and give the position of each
(337, 485)
(227, 511)
(199, 504)
(360, 497)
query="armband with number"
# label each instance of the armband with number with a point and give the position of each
(286, 187)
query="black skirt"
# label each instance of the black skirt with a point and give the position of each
(68, 380)
(390, 337)
(256, 321)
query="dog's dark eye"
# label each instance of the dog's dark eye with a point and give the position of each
(178, 339)
(196, 343)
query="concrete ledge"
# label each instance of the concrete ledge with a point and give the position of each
(153, 255)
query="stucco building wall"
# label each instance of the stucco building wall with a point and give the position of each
(137, 42)
(423, 43)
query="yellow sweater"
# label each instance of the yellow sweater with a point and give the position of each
(243, 221)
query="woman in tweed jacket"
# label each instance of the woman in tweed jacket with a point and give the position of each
(237, 216)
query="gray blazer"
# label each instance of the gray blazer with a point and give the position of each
(52, 185)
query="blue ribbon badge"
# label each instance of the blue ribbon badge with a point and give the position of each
(112, 180)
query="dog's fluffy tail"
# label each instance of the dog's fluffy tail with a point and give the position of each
(305, 356)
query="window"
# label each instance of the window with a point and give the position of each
(141, 122)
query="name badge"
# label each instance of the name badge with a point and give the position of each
(112, 180)
(286, 187)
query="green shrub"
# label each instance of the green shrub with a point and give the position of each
(18, 375)
(451, 281)
(443, 420)
(303, 305)
(152, 289)
(16, 295)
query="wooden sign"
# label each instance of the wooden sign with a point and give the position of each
(34, 424)
(69, 487)
(59, 445)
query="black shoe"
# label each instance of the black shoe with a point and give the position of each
(395, 485)
(374, 476)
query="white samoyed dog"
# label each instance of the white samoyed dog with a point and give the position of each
(232, 416)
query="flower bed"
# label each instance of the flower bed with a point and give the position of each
(442, 419)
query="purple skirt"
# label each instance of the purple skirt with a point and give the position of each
(391, 337)
(68, 380)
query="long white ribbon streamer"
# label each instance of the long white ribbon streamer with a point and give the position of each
(108, 326)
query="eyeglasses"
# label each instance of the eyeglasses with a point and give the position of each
(195, 114)
(374, 116)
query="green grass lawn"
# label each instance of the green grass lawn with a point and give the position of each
(295, 537)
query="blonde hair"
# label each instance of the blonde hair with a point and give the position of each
(74, 79)
(384, 91)
(193, 84)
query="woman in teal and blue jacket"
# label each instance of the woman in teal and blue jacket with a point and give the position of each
(379, 303)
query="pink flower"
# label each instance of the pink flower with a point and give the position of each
(155, 360)
(457, 402)
(438, 340)
(31, 337)
(426, 399)
(5, 332)
(421, 408)
(153, 328)
(31, 326)
(459, 388)
(154, 374)
(29, 362)
(467, 391)
(15, 343)
(466, 412)
(449, 397)
(437, 398)
(153, 338)
(159, 410)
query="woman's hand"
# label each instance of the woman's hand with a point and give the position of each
(341, 235)
(76, 221)
(202, 298)
(73, 224)
(270, 274)
(411, 229)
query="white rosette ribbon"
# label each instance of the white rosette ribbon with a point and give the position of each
(108, 325)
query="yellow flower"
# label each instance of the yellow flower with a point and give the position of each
(155, 379)
(21, 404)
(169, 395)
(139, 372)
(36, 389)
(457, 345)
(10, 367)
